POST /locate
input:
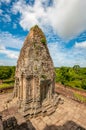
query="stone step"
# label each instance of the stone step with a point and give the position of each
(46, 104)
(31, 115)
(50, 111)
(27, 117)
(31, 112)
(48, 107)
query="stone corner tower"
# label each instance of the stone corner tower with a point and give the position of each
(35, 76)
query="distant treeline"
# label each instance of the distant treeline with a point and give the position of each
(71, 76)
(7, 72)
(68, 76)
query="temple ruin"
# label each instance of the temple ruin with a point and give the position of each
(35, 77)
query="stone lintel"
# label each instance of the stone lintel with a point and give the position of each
(48, 81)
(31, 76)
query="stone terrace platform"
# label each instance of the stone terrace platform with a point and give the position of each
(69, 116)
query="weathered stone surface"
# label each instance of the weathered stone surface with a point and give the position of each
(61, 119)
(10, 124)
(35, 76)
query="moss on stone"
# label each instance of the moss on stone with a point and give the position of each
(34, 44)
(36, 26)
(35, 68)
(37, 30)
(43, 40)
(44, 76)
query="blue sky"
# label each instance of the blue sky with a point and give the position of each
(62, 21)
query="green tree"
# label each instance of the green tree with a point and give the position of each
(84, 84)
(76, 68)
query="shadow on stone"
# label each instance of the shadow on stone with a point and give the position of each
(69, 125)
(26, 126)
(11, 124)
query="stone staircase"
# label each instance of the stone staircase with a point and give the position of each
(30, 111)
(48, 108)
(33, 110)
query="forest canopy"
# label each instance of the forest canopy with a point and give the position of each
(7, 72)
(69, 76)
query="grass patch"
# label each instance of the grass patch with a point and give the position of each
(8, 83)
(79, 97)
(74, 84)
(4, 85)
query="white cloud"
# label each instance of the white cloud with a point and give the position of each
(5, 1)
(9, 53)
(1, 63)
(67, 17)
(2, 47)
(9, 47)
(66, 57)
(14, 25)
(8, 62)
(80, 45)
(1, 12)
(30, 15)
(70, 18)
(6, 18)
(60, 55)
(9, 40)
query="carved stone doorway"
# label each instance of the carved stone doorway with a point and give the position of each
(43, 90)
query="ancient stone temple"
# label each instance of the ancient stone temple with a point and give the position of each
(35, 76)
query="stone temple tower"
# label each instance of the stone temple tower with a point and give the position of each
(35, 76)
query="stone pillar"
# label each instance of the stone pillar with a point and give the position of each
(37, 90)
(43, 92)
(51, 91)
(24, 89)
(33, 86)
(18, 91)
